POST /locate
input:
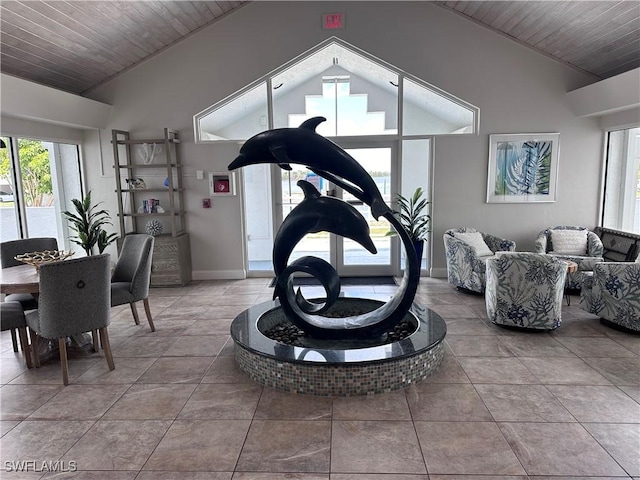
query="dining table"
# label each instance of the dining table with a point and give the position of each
(19, 279)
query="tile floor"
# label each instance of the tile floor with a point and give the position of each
(504, 405)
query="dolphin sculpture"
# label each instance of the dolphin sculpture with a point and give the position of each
(304, 146)
(317, 213)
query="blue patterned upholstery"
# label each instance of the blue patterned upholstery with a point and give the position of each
(465, 269)
(613, 293)
(585, 263)
(525, 290)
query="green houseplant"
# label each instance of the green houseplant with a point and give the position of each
(413, 218)
(87, 222)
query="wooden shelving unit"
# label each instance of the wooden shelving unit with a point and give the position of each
(171, 256)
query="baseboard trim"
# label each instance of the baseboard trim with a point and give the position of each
(438, 273)
(219, 274)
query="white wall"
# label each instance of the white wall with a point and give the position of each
(516, 89)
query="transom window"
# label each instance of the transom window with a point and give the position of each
(357, 93)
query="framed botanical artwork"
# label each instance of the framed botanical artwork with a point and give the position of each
(523, 167)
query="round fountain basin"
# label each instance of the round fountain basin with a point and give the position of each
(337, 368)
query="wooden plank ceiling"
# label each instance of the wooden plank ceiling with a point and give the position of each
(76, 45)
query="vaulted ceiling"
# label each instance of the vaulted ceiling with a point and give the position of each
(76, 45)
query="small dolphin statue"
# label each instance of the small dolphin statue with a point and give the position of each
(304, 146)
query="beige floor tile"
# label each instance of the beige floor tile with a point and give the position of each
(477, 346)
(622, 441)
(165, 327)
(595, 347)
(449, 371)
(619, 371)
(446, 402)
(378, 476)
(177, 370)
(200, 445)
(279, 476)
(117, 444)
(19, 401)
(375, 447)
(184, 476)
(7, 425)
(536, 345)
(633, 392)
(597, 403)
(286, 446)
(151, 402)
(223, 401)
(41, 441)
(276, 405)
(196, 346)
(469, 448)
(225, 370)
(50, 373)
(568, 371)
(143, 346)
(93, 475)
(80, 402)
(386, 406)
(209, 327)
(127, 370)
(467, 326)
(576, 327)
(497, 370)
(454, 311)
(522, 403)
(558, 449)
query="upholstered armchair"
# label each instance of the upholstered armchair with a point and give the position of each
(577, 244)
(524, 290)
(613, 293)
(466, 253)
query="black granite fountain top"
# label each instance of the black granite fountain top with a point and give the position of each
(245, 332)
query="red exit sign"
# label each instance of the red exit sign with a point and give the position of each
(333, 21)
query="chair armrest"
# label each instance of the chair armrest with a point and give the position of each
(497, 244)
(595, 248)
(541, 242)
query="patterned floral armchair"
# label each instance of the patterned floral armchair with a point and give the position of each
(592, 254)
(465, 268)
(525, 290)
(613, 293)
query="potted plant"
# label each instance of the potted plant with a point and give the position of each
(412, 218)
(87, 223)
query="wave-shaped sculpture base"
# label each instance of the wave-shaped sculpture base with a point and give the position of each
(336, 367)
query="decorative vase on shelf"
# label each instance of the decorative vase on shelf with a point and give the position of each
(154, 228)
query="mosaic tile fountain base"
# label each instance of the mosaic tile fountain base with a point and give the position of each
(334, 368)
(339, 380)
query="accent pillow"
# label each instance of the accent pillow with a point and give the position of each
(475, 240)
(569, 242)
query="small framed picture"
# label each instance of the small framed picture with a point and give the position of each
(222, 183)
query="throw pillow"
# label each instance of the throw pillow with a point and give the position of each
(475, 240)
(569, 242)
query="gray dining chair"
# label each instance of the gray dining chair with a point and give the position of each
(74, 299)
(12, 318)
(8, 250)
(132, 275)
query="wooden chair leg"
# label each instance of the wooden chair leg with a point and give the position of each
(62, 346)
(24, 342)
(34, 349)
(135, 313)
(147, 310)
(94, 336)
(14, 339)
(106, 346)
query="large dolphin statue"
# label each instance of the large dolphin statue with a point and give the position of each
(304, 146)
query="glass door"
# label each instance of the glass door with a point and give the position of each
(348, 257)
